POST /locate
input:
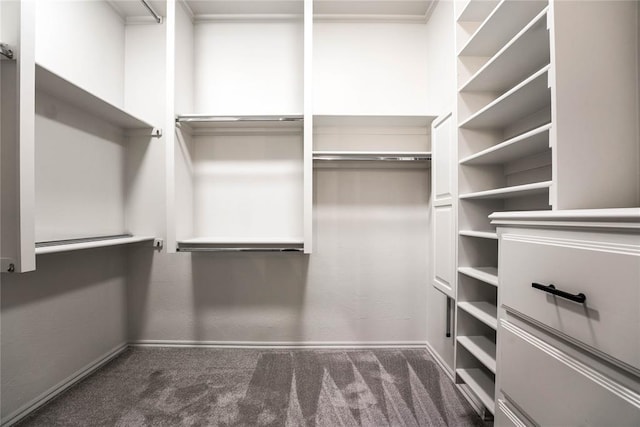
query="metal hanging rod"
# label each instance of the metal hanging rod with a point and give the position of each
(368, 157)
(156, 16)
(6, 51)
(222, 119)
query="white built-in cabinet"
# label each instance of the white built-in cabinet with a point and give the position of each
(547, 119)
(75, 99)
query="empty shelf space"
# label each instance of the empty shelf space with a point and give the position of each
(526, 52)
(372, 156)
(506, 20)
(485, 274)
(480, 234)
(481, 384)
(529, 96)
(208, 244)
(482, 349)
(533, 142)
(481, 310)
(88, 243)
(510, 192)
(477, 10)
(62, 89)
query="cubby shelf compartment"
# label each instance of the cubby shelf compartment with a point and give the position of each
(527, 51)
(529, 96)
(482, 348)
(477, 10)
(506, 20)
(481, 384)
(62, 89)
(510, 192)
(481, 310)
(532, 142)
(480, 234)
(207, 244)
(485, 274)
(88, 243)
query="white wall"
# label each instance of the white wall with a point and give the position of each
(58, 319)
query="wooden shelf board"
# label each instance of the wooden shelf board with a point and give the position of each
(480, 234)
(481, 310)
(482, 349)
(532, 142)
(99, 243)
(506, 20)
(481, 384)
(476, 11)
(60, 88)
(529, 96)
(527, 51)
(510, 192)
(485, 274)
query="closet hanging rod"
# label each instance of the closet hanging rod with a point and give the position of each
(6, 51)
(373, 158)
(157, 17)
(186, 118)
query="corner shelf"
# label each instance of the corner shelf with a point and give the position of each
(510, 192)
(533, 142)
(481, 310)
(481, 384)
(526, 52)
(485, 274)
(529, 96)
(480, 234)
(502, 24)
(482, 348)
(62, 89)
(88, 243)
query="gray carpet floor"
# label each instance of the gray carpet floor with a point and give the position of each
(238, 387)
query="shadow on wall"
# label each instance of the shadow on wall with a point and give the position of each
(261, 291)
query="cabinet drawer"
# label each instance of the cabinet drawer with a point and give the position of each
(554, 389)
(505, 417)
(607, 273)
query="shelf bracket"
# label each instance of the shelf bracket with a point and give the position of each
(158, 244)
(157, 133)
(6, 51)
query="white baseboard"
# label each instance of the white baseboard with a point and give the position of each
(63, 385)
(280, 344)
(441, 362)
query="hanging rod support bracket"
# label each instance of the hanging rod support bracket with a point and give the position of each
(157, 133)
(6, 51)
(152, 11)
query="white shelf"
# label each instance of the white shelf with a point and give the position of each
(506, 20)
(60, 88)
(485, 274)
(241, 241)
(480, 234)
(529, 96)
(364, 121)
(481, 310)
(482, 349)
(533, 142)
(510, 192)
(396, 156)
(477, 10)
(212, 124)
(526, 52)
(229, 8)
(369, 9)
(65, 246)
(481, 384)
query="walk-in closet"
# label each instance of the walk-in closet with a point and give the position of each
(320, 212)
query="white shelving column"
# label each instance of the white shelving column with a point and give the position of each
(308, 128)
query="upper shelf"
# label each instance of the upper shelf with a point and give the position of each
(476, 11)
(51, 83)
(208, 124)
(365, 121)
(203, 8)
(526, 52)
(506, 20)
(371, 9)
(395, 156)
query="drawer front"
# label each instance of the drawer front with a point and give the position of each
(505, 417)
(554, 389)
(607, 273)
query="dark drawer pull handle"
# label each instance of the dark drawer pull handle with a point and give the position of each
(580, 298)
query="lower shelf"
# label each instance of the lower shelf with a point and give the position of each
(481, 384)
(482, 348)
(88, 243)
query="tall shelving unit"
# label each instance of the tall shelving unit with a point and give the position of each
(504, 123)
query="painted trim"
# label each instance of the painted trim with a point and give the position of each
(441, 362)
(61, 387)
(280, 344)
